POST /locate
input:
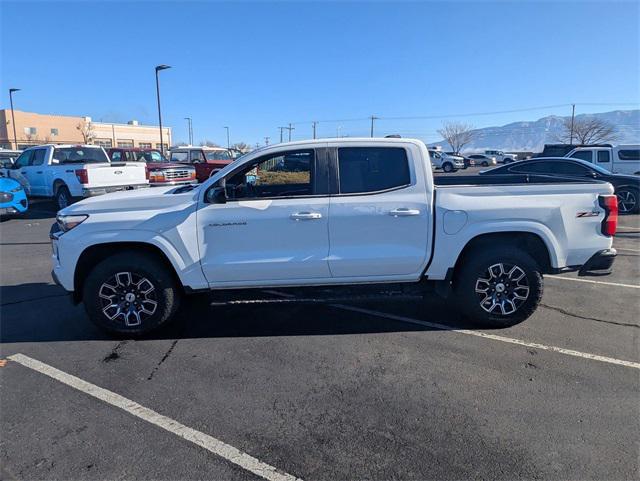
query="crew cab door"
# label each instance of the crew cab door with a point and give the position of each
(274, 225)
(380, 215)
(32, 167)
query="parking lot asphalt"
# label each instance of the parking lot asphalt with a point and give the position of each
(358, 390)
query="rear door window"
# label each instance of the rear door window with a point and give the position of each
(372, 169)
(604, 156)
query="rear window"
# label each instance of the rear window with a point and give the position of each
(629, 154)
(372, 169)
(79, 154)
(218, 155)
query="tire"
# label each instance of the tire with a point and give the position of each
(485, 164)
(447, 167)
(63, 197)
(628, 200)
(130, 293)
(490, 300)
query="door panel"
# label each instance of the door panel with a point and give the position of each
(262, 240)
(272, 227)
(378, 233)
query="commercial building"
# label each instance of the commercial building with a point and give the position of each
(33, 129)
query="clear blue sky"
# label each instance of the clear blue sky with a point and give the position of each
(257, 66)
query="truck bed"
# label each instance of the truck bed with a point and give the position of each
(471, 180)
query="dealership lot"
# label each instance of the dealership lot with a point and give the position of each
(367, 390)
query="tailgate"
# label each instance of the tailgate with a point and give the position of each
(114, 174)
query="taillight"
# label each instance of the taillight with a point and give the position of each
(83, 176)
(146, 172)
(610, 222)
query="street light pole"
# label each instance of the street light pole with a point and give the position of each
(228, 141)
(573, 116)
(13, 120)
(158, 68)
(314, 124)
(190, 128)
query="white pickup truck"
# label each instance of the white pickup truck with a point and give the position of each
(501, 157)
(67, 172)
(335, 212)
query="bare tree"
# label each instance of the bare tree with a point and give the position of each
(208, 143)
(87, 131)
(241, 146)
(586, 130)
(457, 135)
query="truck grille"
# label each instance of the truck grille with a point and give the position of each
(177, 174)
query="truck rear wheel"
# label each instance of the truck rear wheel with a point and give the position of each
(498, 287)
(130, 293)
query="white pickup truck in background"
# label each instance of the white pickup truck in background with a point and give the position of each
(334, 212)
(67, 172)
(501, 157)
(619, 159)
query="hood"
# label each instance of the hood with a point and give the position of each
(168, 165)
(7, 185)
(148, 199)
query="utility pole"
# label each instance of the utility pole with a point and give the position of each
(13, 120)
(282, 129)
(266, 140)
(158, 68)
(228, 141)
(573, 116)
(373, 118)
(314, 124)
(290, 128)
(190, 127)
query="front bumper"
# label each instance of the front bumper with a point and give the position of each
(17, 206)
(173, 182)
(599, 264)
(93, 191)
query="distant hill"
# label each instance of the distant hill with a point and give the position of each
(531, 136)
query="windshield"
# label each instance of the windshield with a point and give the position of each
(218, 155)
(151, 156)
(79, 154)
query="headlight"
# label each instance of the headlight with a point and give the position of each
(68, 222)
(6, 197)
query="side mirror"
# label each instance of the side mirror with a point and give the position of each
(55, 161)
(217, 195)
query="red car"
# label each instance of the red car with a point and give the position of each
(159, 170)
(206, 160)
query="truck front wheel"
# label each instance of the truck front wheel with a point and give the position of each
(498, 287)
(63, 197)
(130, 293)
(447, 167)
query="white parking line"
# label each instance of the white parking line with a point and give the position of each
(590, 281)
(543, 347)
(201, 439)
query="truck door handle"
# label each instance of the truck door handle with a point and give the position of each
(306, 216)
(404, 212)
(39, 172)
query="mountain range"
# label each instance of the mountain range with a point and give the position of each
(531, 136)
